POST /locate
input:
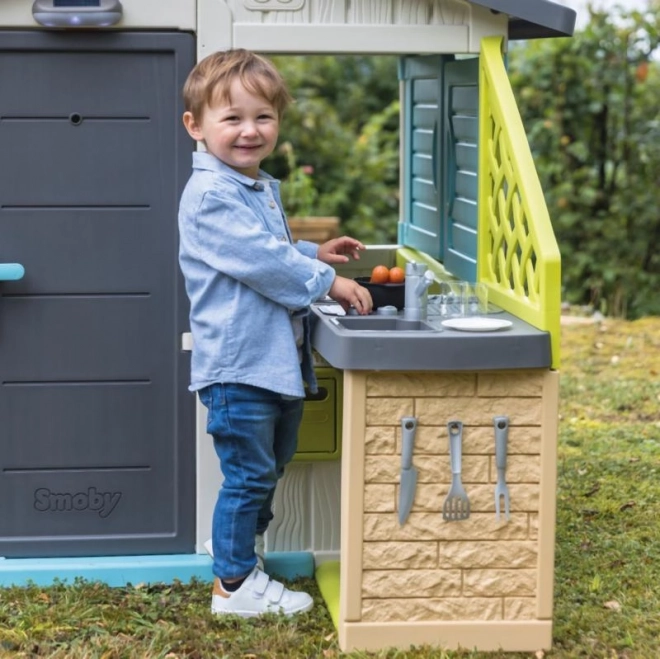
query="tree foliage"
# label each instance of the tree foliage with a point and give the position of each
(590, 106)
(344, 131)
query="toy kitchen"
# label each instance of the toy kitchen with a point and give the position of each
(422, 497)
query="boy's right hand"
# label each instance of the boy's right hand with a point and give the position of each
(350, 294)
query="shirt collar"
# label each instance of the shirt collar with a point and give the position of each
(205, 160)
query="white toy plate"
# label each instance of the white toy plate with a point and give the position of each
(477, 324)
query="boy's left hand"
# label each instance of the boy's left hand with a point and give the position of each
(335, 250)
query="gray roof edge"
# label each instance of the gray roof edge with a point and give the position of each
(534, 19)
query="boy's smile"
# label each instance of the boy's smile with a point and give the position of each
(240, 131)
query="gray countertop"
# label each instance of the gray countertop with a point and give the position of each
(437, 348)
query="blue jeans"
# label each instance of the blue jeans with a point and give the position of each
(255, 434)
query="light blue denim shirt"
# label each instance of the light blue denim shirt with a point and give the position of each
(245, 279)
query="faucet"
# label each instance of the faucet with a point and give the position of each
(418, 280)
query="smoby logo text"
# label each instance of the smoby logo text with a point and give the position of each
(103, 503)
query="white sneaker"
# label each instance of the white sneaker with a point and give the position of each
(259, 549)
(257, 595)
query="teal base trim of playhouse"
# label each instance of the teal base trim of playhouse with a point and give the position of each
(112, 570)
(124, 570)
(290, 564)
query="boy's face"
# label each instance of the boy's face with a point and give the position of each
(240, 132)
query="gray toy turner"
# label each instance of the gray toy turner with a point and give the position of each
(457, 504)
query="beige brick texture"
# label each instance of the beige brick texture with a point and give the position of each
(519, 608)
(421, 610)
(431, 526)
(380, 440)
(421, 384)
(494, 583)
(521, 439)
(480, 568)
(387, 469)
(423, 583)
(429, 440)
(400, 555)
(388, 411)
(523, 498)
(475, 411)
(523, 384)
(476, 555)
(379, 498)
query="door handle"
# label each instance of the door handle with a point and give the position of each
(11, 271)
(186, 342)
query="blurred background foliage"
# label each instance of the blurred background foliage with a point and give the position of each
(591, 108)
(343, 132)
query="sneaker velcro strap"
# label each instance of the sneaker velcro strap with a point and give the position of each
(261, 581)
(275, 591)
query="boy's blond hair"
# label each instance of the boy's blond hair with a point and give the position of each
(211, 80)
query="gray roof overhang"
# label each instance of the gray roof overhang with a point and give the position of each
(533, 19)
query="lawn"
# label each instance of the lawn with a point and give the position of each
(607, 598)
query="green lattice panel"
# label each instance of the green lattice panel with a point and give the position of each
(514, 262)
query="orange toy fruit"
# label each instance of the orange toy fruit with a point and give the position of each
(397, 275)
(380, 275)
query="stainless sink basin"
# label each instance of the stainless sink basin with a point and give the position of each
(382, 324)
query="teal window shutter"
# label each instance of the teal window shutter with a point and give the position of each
(440, 159)
(460, 166)
(420, 225)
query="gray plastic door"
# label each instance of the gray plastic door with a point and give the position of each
(97, 439)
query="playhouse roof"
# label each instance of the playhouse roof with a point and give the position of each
(533, 19)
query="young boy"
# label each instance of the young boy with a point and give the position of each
(250, 288)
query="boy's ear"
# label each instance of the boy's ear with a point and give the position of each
(192, 126)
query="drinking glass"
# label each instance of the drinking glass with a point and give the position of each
(474, 298)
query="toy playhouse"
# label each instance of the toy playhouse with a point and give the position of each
(105, 469)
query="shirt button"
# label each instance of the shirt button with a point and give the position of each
(258, 187)
(272, 204)
(283, 239)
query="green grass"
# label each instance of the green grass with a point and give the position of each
(607, 593)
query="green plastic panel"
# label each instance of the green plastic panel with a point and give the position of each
(319, 437)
